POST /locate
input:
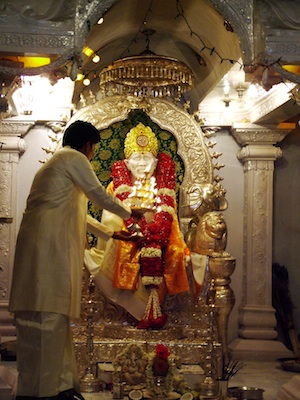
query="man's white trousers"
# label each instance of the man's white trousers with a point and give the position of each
(45, 356)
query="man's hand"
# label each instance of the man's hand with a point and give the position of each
(125, 236)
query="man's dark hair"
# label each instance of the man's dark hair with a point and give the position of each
(79, 133)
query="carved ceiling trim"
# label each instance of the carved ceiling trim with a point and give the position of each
(240, 15)
(86, 14)
(285, 13)
(52, 37)
(55, 43)
(79, 19)
(15, 128)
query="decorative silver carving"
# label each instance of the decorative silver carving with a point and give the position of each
(260, 135)
(260, 233)
(254, 152)
(4, 256)
(5, 188)
(284, 13)
(187, 333)
(240, 15)
(3, 291)
(3, 242)
(188, 133)
(63, 27)
(15, 128)
(188, 326)
(278, 35)
(49, 10)
(39, 42)
(11, 134)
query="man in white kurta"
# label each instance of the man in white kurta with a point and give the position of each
(46, 285)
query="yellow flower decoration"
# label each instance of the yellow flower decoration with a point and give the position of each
(141, 138)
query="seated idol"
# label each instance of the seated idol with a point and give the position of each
(137, 274)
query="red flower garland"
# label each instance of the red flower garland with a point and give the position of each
(155, 234)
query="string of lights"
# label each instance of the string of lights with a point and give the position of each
(277, 64)
(212, 50)
(265, 67)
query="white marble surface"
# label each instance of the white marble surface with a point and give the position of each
(265, 375)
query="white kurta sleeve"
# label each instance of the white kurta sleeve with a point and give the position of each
(100, 198)
(98, 229)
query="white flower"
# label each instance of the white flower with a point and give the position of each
(150, 252)
(152, 280)
(167, 191)
(123, 189)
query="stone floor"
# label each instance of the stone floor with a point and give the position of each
(265, 375)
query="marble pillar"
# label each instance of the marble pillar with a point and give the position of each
(11, 146)
(257, 321)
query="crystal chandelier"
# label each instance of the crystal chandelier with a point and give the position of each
(147, 75)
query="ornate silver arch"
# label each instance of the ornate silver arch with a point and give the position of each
(187, 132)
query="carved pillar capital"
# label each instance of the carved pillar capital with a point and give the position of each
(258, 153)
(258, 135)
(11, 137)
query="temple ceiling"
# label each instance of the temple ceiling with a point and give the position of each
(209, 36)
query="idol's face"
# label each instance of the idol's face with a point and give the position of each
(140, 163)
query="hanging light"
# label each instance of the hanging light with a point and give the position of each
(80, 75)
(147, 75)
(86, 81)
(96, 58)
